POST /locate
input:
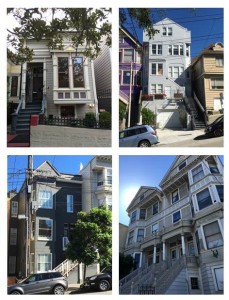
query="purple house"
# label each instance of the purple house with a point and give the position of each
(130, 73)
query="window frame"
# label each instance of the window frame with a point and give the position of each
(159, 69)
(133, 216)
(14, 209)
(177, 196)
(140, 237)
(204, 200)
(157, 210)
(43, 238)
(219, 233)
(39, 270)
(196, 177)
(70, 203)
(173, 215)
(213, 85)
(43, 200)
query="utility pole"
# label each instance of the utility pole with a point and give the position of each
(129, 111)
(29, 177)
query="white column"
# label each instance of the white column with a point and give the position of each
(183, 244)
(163, 249)
(154, 254)
(23, 84)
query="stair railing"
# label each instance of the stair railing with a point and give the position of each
(65, 267)
(15, 115)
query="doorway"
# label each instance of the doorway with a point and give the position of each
(34, 82)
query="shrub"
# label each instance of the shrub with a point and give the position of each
(90, 119)
(183, 117)
(148, 116)
(105, 119)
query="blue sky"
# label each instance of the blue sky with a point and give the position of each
(17, 165)
(205, 24)
(140, 170)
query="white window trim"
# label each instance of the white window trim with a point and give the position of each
(203, 235)
(137, 234)
(156, 49)
(214, 277)
(199, 191)
(123, 55)
(157, 63)
(39, 202)
(180, 216)
(43, 238)
(38, 261)
(140, 261)
(178, 192)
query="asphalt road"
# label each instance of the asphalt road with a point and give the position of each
(199, 141)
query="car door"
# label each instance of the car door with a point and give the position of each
(31, 284)
(127, 138)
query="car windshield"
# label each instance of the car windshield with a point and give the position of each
(217, 120)
(106, 270)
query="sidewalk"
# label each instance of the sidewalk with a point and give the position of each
(168, 136)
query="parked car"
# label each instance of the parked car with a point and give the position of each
(101, 281)
(50, 282)
(138, 136)
(215, 128)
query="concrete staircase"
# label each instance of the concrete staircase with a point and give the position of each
(23, 118)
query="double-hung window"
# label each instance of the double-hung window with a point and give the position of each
(204, 199)
(130, 237)
(220, 190)
(176, 216)
(140, 235)
(45, 199)
(133, 216)
(14, 209)
(217, 83)
(155, 208)
(175, 196)
(157, 69)
(70, 204)
(213, 236)
(128, 55)
(45, 229)
(44, 262)
(78, 74)
(197, 173)
(156, 49)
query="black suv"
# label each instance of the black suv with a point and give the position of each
(50, 282)
(101, 281)
(215, 128)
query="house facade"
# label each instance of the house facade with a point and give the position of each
(175, 232)
(61, 80)
(208, 77)
(166, 60)
(13, 82)
(97, 183)
(130, 73)
(42, 219)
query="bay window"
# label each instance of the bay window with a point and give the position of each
(204, 199)
(213, 236)
(63, 73)
(78, 75)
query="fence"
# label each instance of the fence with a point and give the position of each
(146, 289)
(73, 122)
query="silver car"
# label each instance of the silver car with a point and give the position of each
(138, 136)
(50, 282)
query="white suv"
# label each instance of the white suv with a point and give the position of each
(138, 136)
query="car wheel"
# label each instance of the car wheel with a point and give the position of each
(144, 143)
(104, 285)
(58, 290)
(15, 293)
(218, 132)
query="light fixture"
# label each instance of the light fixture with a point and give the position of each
(215, 253)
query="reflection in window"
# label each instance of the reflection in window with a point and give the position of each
(78, 76)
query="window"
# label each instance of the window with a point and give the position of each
(128, 55)
(13, 236)
(217, 83)
(187, 49)
(220, 190)
(219, 278)
(154, 228)
(67, 111)
(176, 216)
(126, 77)
(109, 176)
(182, 165)
(140, 235)
(156, 49)
(175, 196)
(12, 265)
(204, 199)
(14, 209)
(176, 50)
(14, 86)
(70, 203)
(63, 75)
(65, 242)
(219, 62)
(78, 75)
(142, 214)
(157, 69)
(197, 173)
(133, 216)
(213, 168)
(131, 237)
(45, 199)
(45, 230)
(155, 208)
(44, 263)
(213, 236)
(156, 88)
(167, 31)
(194, 283)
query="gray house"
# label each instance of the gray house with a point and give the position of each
(166, 77)
(175, 232)
(41, 219)
(97, 183)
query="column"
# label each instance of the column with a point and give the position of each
(23, 84)
(183, 244)
(163, 249)
(154, 254)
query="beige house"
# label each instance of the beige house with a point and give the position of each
(175, 233)
(208, 77)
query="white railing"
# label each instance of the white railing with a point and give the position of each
(65, 267)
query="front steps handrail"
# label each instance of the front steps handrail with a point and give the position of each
(66, 266)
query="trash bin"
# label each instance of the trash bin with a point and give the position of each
(34, 120)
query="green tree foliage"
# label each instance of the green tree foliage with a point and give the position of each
(122, 111)
(92, 236)
(148, 116)
(87, 26)
(126, 264)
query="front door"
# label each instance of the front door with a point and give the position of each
(34, 82)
